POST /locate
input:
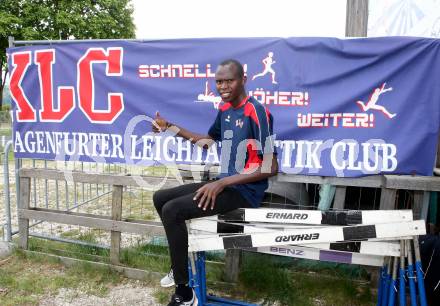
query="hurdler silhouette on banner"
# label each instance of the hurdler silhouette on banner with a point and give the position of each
(371, 104)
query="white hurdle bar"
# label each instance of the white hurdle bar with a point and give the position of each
(206, 227)
(317, 217)
(306, 236)
(322, 255)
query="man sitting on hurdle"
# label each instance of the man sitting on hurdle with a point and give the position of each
(246, 163)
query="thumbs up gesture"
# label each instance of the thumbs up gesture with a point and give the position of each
(159, 124)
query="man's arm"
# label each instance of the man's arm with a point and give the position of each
(199, 139)
(160, 124)
(268, 168)
(208, 192)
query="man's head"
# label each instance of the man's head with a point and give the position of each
(230, 81)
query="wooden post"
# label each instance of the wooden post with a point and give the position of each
(387, 198)
(23, 203)
(421, 204)
(339, 201)
(387, 201)
(356, 23)
(232, 265)
(115, 246)
(437, 162)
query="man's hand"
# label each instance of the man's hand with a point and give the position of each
(159, 124)
(208, 193)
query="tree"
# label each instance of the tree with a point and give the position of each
(62, 19)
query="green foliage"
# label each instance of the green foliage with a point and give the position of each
(6, 98)
(5, 116)
(63, 19)
(6, 107)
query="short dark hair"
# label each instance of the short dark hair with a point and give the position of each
(237, 64)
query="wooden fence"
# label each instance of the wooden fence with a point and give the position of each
(389, 184)
(114, 224)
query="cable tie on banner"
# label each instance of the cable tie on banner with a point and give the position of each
(50, 40)
(429, 264)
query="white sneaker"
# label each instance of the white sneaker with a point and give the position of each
(176, 300)
(167, 280)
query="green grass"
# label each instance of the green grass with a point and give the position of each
(263, 280)
(162, 296)
(77, 251)
(148, 257)
(25, 278)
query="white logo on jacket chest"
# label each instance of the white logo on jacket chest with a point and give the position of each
(227, 119)
(239, 123)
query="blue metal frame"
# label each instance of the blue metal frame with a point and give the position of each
(412, 285)
(402, 286)
(386, 284)
(392, 291)
(380, 286)
(419, 272)
(386, 291)
(421, 284)
(198, 282)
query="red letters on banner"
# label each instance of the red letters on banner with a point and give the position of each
(21, 62)
(44, 59)
(66, 94)
(113, 59)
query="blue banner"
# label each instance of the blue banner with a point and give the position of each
(341, 107)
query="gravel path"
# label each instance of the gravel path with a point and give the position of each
(131, 293)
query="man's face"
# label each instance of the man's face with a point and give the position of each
(229, 85)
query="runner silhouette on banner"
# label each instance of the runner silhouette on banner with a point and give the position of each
(267, 62)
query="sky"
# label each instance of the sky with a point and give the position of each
(159, 19)
(238, 18)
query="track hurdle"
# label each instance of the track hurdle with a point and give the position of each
(419, 272)
(317, 238)
(393, 283)
(402, 293)
(306, 236)
(386, 283)
(403, 266)
(411, 276)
